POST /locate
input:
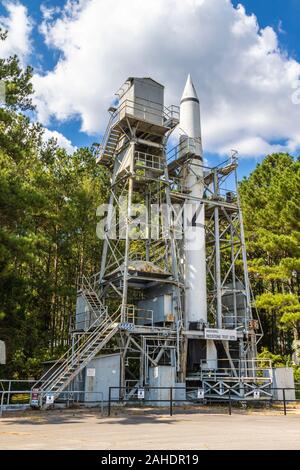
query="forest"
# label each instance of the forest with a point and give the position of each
(48, 202)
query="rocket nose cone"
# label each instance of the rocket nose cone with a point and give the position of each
(189, 91)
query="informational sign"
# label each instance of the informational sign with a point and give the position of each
(200, 393)
(253, 324)
(34, 397)
(91, 372)
(141, 393)
(126, 326)
(218, 333)
(49, 399)
(256, 394)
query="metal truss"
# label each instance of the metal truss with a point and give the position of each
(239, 389)
(135, 153)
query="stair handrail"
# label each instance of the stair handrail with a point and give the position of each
(95, 279)
(81, 365)
(69, 359)
(52, 381)
(66, 367)
(88, 286)
(73, 347)
(148, 106)
(62, 357)
(64, 384)
(107, 132)
(89, 341)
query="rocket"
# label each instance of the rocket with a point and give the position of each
(194, 230)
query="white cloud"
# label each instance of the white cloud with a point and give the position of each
(19, 27)
(61, 140)
(49, 12)
(280, 28)
(245, 82)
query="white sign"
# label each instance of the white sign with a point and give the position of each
(218, 333)
(49, 399)
(200, 393)
(141, 393)
(256, 394)
(35, 397)
(126, 326)
(90, 372)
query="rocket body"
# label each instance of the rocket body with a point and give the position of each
(194, 229)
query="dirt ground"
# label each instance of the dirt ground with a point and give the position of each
(149, 429)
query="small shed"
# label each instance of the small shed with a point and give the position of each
(143, 98)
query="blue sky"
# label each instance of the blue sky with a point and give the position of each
(80, 119)
(282, 15)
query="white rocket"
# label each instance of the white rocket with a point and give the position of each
(194, 231)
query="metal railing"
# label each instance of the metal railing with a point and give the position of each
(12, 386)
(66, 397)
(94, 280)
(147, 110)
(231, 321)
(142, 396)
(81, 351)
(179, 185)
(145, 395)
(97, 311)
(253, 369)
(149, 161)
(187, 146)
(106, 134)
(138, 316)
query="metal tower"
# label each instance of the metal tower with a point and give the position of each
(172, 296)
(139, 271)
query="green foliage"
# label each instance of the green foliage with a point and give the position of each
(280, 361)
(275, 302)
(271, 206)
(18, 86)
(48, 202)
(277, 359)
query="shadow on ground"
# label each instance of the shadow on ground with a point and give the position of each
(36, 417)
(126, 415)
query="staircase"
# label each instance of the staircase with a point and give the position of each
(85, 348)
(96, 307)
(109, 144)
